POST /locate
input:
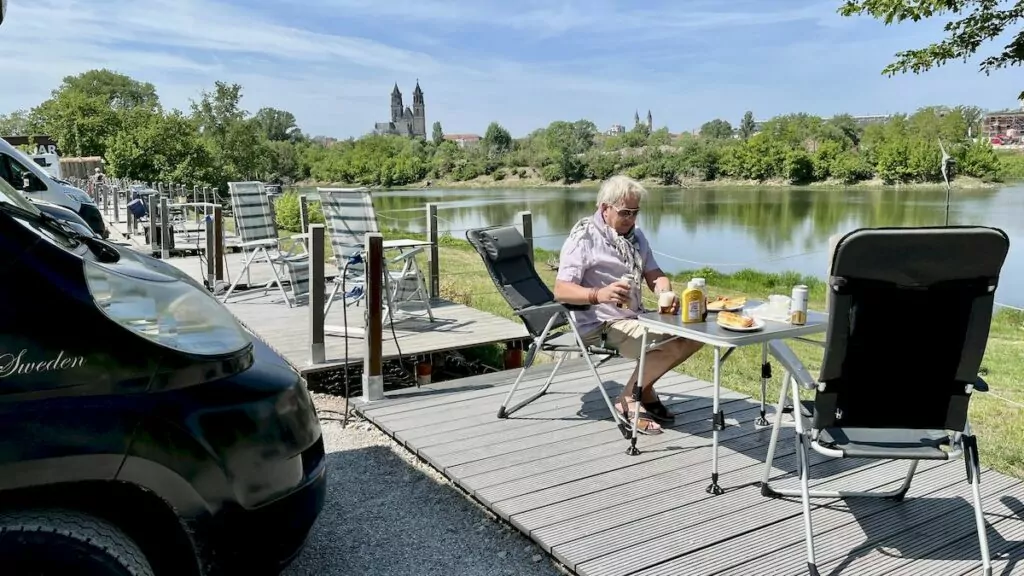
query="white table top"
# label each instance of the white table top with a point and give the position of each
(711, 333)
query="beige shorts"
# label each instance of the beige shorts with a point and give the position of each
(624, 336)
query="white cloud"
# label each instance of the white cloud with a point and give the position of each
(543, 59)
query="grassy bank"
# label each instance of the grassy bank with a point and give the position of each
(998, 417)
(530, 179)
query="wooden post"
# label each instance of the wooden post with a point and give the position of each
(117, 212)
(373, 379)
(434, 272)
(211, 252)
(218, 234)
(525, 226)
(165, 230)
(153, 198)
(317, 348)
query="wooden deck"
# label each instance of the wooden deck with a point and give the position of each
(285, 329)
(557, 471)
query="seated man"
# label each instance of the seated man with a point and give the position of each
(600, 250)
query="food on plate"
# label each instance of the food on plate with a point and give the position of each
(734, 320)
(726, 302)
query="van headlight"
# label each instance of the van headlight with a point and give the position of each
(171, 313)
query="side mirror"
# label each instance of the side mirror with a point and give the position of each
(31, 183)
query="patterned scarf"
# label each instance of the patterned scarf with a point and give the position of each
(593, 228)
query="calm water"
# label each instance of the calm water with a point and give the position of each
(728, 228)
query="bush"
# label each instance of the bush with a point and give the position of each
(286, 211)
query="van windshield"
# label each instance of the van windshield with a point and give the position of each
(11, 196)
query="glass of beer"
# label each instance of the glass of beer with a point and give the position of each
(667, 302)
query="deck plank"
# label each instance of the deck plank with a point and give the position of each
(558, 472)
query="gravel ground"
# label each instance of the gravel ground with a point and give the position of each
(388, 513)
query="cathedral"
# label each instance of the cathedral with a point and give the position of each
(405, 121)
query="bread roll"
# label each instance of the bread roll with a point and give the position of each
(735, 320)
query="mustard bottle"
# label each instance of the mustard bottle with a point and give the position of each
(692, 311)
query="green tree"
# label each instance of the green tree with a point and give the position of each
(154, 147)
(86, 109)
(497, 140)
(716, 128)
(277, 125)
(981, 22)
(747, 125)
(17, 123)
(437, 134)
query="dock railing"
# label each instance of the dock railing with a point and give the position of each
(372, 379)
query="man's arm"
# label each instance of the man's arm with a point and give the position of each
(657, 281)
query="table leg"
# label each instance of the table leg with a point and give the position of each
(637, 393)
(718, 423)
(766, 375)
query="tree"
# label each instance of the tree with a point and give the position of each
(497, 140)
(437, 134)
(716, 128)
(985, 20)
(277, 125)
(86, 109)
(747, 125)
(17, 123)
(154, 147)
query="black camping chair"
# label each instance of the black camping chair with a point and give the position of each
(909, 317)
(506, 255)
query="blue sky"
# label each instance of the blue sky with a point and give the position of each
(523, 63)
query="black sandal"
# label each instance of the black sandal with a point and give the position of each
(658, 411)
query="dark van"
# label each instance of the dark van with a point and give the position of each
(143, 430)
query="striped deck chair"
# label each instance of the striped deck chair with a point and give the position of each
(350, 215)
(254, 223)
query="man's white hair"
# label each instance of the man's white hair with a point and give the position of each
(618, 188)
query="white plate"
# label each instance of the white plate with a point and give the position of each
(758, 324)
(729, 309)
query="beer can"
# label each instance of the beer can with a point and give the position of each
(798, 305)
(628, 279)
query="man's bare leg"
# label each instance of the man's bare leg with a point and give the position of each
(657, 363)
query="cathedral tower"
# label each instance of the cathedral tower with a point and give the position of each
(419, 112)
(650, 121)
(396, 104)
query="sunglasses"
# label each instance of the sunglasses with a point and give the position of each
(626, 212)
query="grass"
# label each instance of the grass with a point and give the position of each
(997, 417)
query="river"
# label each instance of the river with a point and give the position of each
(772, 229)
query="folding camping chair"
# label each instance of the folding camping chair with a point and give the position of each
(254, 222)
(506, 255)
(909, 316)
(350, 215)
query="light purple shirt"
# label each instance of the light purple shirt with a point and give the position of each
(595, 264)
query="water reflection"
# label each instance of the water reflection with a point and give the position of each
(771, 229)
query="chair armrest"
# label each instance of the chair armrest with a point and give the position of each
(981, 385)
(550, 306)
(303, 236)
(264, 242)
(785, 355)
(405, 255)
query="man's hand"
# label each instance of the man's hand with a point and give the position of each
(614, 293)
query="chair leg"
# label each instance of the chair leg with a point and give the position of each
(773, 444)
(330, 299)
(623, 428)
(244, 270)
(805, 500)
(972, 461)
(503, 411)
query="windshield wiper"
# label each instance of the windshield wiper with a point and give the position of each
(103, 251)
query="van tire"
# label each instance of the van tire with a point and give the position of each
(51, 542)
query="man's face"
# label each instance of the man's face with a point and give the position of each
(622, 216)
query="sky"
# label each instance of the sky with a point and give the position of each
(523, 63)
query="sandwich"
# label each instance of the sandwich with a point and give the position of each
(726, 302)
(735, 320)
